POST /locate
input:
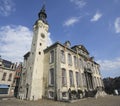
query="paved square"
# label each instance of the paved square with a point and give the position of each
(101, 101)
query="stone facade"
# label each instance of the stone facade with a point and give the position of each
(59, 72)
(7, 72)
(16, 82)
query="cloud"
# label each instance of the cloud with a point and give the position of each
(110, 68)
(117, 25)
(15, 41)
(6, 7)
(49, 39)
(109, 65)
(96, 17)
(79, 3)
(71, 21)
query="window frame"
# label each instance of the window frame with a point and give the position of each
(69, 59)
(51, 94)
(64, 77)
(71, 78)
(52, 55)
(84, 79)
(4, 76)
(10, 77)
(51, 77)
(75, 62)
(77, 75)
(62, 56)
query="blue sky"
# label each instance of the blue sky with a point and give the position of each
(95, 24)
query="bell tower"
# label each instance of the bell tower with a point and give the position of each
(36, 60)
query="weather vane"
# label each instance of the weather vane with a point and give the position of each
(43, 2)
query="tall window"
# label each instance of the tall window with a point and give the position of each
(95, 81)
(62, 56)
(51, 77)
(84, 79)
(52, 56)
(4, 76)
(98, 83)
(77, 78)
(69, 59)
(75, 61)
(101, 81)
(64, 79)
(10, 77)
(71, 78)
(80, 63)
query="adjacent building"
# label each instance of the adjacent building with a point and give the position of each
(16, 81)
(7, 72)
(59, 72)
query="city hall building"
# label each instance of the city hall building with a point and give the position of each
(59, 72)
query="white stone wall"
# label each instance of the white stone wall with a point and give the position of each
(34, 66)
(6, 82)
(58, 69)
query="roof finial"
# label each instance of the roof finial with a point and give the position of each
(43, 2)
(42, 14)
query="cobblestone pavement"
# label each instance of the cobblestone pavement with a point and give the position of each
(101, 101)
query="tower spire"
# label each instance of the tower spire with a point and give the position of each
(42, 14)
(44, 2)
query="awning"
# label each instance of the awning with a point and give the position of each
(4, 86)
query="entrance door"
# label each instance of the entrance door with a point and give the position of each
(89, 81)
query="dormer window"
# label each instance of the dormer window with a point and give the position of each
(67, 44)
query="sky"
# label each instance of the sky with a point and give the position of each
(92, 23)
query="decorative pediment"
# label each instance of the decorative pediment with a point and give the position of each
(83, 48)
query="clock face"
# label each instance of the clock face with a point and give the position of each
(42, 35)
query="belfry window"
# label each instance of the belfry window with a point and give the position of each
(39, 53)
